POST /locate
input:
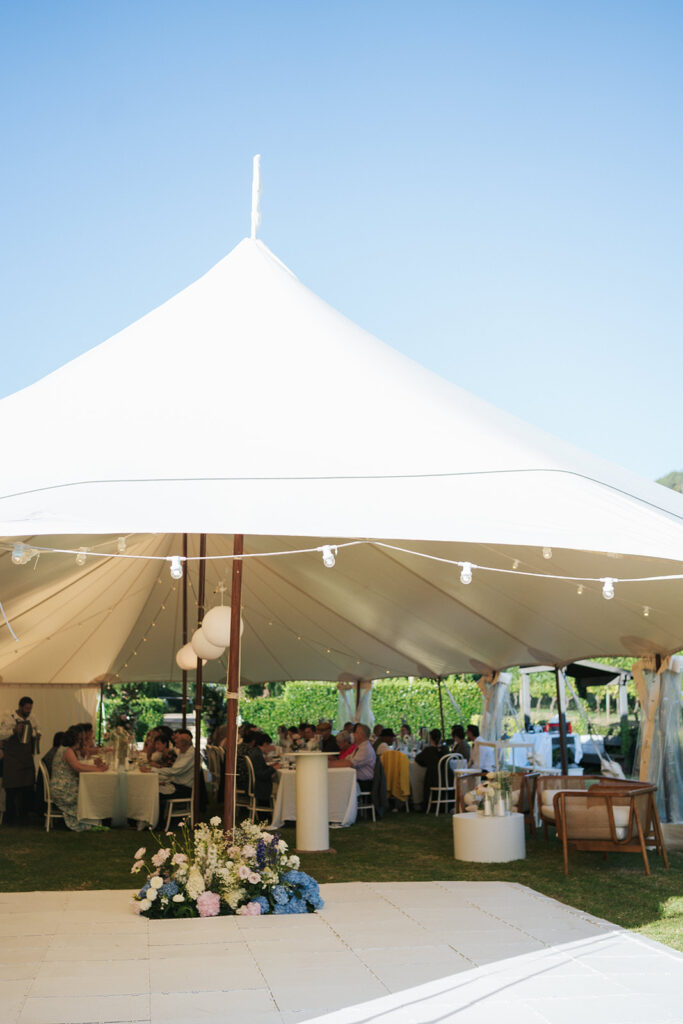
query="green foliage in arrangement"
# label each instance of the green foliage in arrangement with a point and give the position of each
(143, 713)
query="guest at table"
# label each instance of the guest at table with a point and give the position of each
(295, 740)
(328, 743)
(482, 758)
(87, 747)
(176, 781)
(162, 755)
(283, 737)
(345, 745)
(57, 741)
(148, 747)
(429, 758)
(376, 733)
(310, 738)
(258, 744)
(387, 741)
(66, 768)
(405, 742)
(349, 727)
(363, 758)
(20, 736)
(459, 743)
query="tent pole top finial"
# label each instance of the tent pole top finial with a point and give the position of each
(256, 196)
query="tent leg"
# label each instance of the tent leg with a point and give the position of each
(198, 691)
(443, 725)
(233, 685)
(561, 706)
(184, 703)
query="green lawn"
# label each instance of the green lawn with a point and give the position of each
(400, 848)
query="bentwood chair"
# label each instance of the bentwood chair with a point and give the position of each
(50, 815)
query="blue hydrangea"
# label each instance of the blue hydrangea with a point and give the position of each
(263, 903)
(169, 889)
(143, 892)
(280, 895)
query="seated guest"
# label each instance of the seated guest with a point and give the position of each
(429, 758)
(345, 744)
(376, 733)
(459, 743)
(283, 737)
(405, 742)
(162, 756)
(85, 749)
(176, 780)
(328, 744)
(148, 744)
(310, 739)
(295, 740)
(349, 726)
(258, 745)
(66, 768)
(483, 758)
(387, 739)
(49, 757)
(363, 758)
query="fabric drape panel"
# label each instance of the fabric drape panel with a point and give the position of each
(55, 706)
(659, 750)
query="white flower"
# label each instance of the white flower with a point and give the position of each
(141, 853)
(178, 898)
(145, 904)
(248, 851)
(215, 821)
(151, 894)
(254, 878)
(293, 862)
(156, 881)
(282, 846)
(195, 883)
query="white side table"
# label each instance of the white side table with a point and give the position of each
(312, 814)
(488, 839)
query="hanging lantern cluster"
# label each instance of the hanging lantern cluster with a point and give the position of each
(209, 641)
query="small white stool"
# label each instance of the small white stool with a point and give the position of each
(488, 839)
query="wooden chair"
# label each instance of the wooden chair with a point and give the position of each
(609, 819)
(50, 815)
(215, 757)
(249, 799)
(524, 797)
(548, 785)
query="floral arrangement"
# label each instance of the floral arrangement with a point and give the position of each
(494, 784)
(206, 873)
(120, 741)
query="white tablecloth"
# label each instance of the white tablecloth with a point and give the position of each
(543, 747)
(118, 795)
(341, 794)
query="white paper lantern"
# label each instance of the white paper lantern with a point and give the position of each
(202, 647)
(216, 626)
(186, 658)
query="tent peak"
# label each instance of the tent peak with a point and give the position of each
(256, 196)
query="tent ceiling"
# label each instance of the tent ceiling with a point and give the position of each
(246, 404)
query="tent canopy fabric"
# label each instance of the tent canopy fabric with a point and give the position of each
(245, 404)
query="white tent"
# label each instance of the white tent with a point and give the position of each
(245, 404)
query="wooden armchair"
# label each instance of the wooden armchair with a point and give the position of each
(524, 797)
(610, 819)
(548, 785)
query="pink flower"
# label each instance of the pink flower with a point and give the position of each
(248, 851)
(141, 853)
(254, 878)
(161, 857)
(139, 864)
(179, 858)
(243, 871)
(250, 910)
(233, 851)
(208, 904)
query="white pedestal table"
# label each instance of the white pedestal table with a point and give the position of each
(488, 839)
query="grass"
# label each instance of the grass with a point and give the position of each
(400, 848)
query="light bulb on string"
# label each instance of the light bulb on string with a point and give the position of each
(176, 567)
(121, 545)
(608, 588)
(579, 589)
(515, 564)
(329, 554)
(466, 573)
(547, 553)
(82, 556)
(646, 612)
(19, 554)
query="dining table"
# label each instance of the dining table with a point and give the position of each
(118, 794)
(342, 795)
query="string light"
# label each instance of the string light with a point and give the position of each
(646, 612)
(547, 553)
(515, 564)
(579, 589)
(608, 588)
(466, 573)
(121, 545)
(176, 567)
(82, 556)
(21, 554)
(329, 554)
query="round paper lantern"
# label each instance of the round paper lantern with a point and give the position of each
(186, 658)
(216, 626)
(202, 647)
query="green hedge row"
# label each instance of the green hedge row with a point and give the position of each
(394, 701)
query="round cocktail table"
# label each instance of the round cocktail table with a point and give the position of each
(488, 839)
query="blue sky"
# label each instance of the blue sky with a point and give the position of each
(493, 188)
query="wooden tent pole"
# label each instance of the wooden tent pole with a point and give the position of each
(233, 685)
(198, 689)
(184, 702)
(563, 725)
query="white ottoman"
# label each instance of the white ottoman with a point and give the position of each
(488, 839)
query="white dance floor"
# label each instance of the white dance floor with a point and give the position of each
(392, 953)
